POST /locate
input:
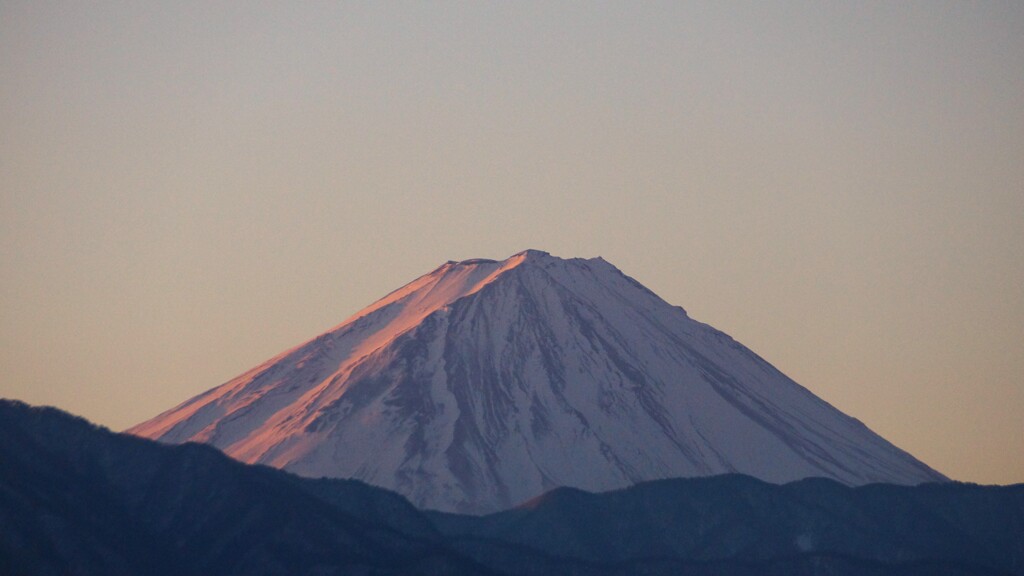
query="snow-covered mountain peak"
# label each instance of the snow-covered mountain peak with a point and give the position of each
(484, 383)
(455, 280)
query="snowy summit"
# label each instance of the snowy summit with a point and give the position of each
(485, 383)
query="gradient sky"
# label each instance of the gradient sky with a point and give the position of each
(188, 188)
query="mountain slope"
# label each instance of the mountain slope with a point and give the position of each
(484, 383)
(77, 499)
(746, 520)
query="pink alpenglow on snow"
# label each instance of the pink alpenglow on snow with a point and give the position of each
(485, 383)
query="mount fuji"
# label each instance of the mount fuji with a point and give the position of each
(485, 383)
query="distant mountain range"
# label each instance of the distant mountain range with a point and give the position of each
(486, 383)
(78, 499)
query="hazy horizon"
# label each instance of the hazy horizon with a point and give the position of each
(187, 189)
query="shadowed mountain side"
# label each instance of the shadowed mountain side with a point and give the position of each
(78, 499)
(514, 559)
(742, 518)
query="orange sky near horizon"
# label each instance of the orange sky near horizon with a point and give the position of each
(189, 188)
